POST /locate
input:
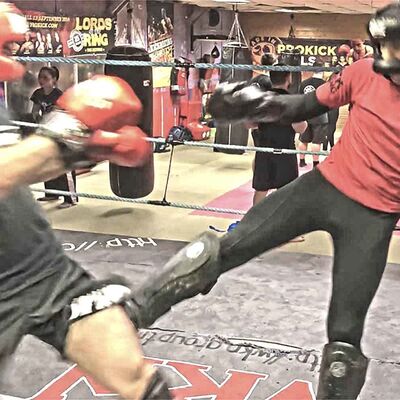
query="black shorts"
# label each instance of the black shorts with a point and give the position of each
(316, 134)
(39, 309)
(273, 171)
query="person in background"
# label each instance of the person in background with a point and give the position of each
(318, 127)
(333, 116)
(360, 50)
(334, 61)
(44, 101)
(57, 45)
(273, 171)
(49, 44)
(39, 44)
(262, 80)
(27, 48)
(343, 60)
(166, 23)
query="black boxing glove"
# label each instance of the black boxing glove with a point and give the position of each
(242, 102)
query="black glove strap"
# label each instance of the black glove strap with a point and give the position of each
(73, 157)
(71, 137)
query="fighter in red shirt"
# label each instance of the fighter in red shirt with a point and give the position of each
(354, 195)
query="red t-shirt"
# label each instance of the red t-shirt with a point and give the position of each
(365, 163)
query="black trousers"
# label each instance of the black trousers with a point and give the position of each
(330, 138)
(361, 238)
(65, 182)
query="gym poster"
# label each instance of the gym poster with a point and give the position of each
(65, 36)
(160, 31)
(332, 53)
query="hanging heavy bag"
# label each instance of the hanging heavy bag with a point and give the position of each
(234, 134)
(138, 182)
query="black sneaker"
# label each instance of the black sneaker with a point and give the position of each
(302, 163)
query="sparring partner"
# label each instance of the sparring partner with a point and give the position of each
(354, 195)
(42, 291)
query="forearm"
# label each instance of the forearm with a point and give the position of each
(241, 102)
(35, 159)
(298, 108)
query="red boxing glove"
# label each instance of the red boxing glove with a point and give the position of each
(103, 102)
(97, 123)
(126, 147)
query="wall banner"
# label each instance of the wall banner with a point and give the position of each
(332, 53)
(160, 30)
(66, 36)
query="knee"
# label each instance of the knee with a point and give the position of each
(109, 330)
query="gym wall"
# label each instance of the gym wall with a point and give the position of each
(317, 26)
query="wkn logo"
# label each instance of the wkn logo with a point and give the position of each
(238, 385)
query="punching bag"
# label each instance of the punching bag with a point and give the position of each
(135, 182)
(292, 59)
(234, 134)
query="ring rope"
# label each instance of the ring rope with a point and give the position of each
(162, 203)
(131, 63)
(254, 149)
(206, 145)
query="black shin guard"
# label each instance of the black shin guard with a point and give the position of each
(194, 270)
(343, 371)
(158, 389)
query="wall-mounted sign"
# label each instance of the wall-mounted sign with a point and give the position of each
(66, 36)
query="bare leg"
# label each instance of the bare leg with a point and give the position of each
(105, 345)
(315, 148)
(259, 196)
(302, 147)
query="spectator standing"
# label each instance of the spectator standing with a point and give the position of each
(44, 100)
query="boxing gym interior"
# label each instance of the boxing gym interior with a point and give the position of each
(260, 332)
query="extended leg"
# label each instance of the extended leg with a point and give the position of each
(361, 245)
(280, 217)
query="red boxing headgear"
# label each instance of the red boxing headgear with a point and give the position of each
(12, 28)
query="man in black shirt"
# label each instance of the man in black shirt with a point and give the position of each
(318, 127)
(272, 171)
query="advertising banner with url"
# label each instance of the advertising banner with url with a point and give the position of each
(160, 30)
(65, 36)
(332, 53)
